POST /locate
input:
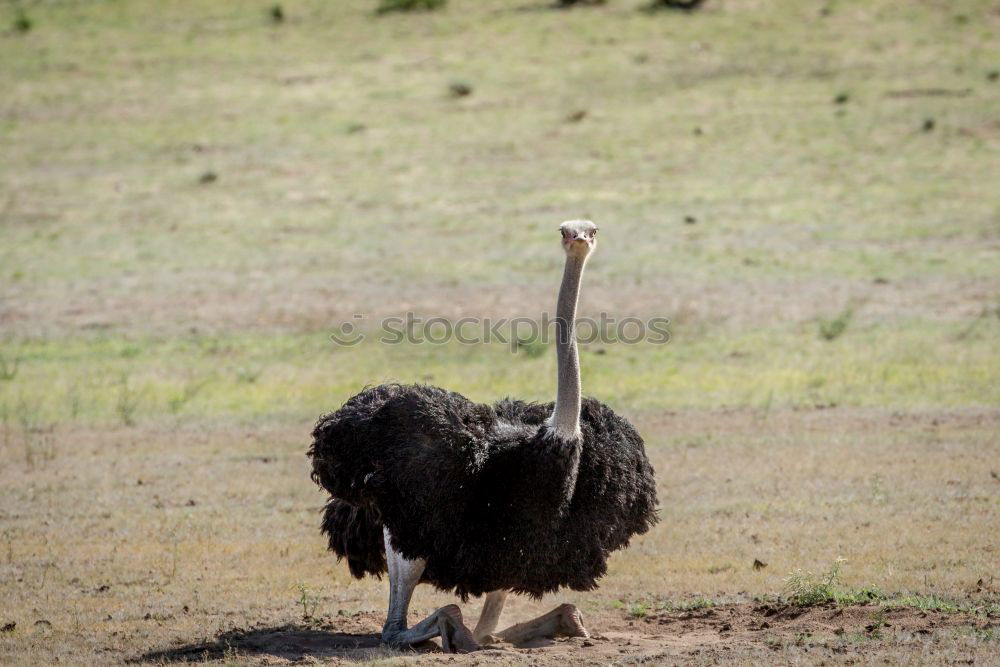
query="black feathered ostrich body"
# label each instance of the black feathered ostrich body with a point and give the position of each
(487, 495)
(485, 499)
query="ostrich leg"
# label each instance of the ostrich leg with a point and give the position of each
(490, 616)
(563, 621)
(446, 622)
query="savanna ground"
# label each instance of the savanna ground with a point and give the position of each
(194, 196)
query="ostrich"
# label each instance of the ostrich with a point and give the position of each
(485, 499)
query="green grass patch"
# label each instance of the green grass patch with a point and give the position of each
(113, 379)
(638, 610)
(693, 604)
(807, 589)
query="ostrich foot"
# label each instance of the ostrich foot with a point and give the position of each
(563, 621)
(490, 617)
(446, 623)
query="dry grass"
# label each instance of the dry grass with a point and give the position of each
(325, 149)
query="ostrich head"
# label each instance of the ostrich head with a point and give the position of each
(579, 237)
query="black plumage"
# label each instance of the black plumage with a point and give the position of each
(486, 494)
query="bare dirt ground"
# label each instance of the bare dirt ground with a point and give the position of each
(163, 543)
(748, 631)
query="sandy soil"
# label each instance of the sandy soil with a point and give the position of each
(739, 632)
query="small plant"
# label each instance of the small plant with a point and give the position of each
(73, 400)
(129, 351)
(530, 346)
(638, 610)
(386, 6)
(308, 600)
(876, 621)
(459, 89)
(986, 633)
(248, 375)
(679, 5)
(5, 423)
(566, 4)
(688, 605)
(277, 14)
(805, 589)
(178, 400)
(879, 494)
(833, 328)
(984, 315)
(7, 535)
(174, 543)
(38, 440)
(9, 366)
(865, 595)
(22, 22)
(926, 603)
(127, 402)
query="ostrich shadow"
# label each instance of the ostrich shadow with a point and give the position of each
(288, 642)
(295, 643)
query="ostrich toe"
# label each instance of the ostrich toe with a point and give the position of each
(455, 637)
(446, 623)
(563, 621)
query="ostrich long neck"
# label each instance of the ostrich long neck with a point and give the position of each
(566, 416)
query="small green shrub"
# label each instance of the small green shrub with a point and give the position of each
(9, 366)
(638, 610)
(38, 437)
(876, 621)
(833, 328)
(866, 595)
(126, 402)
(805, 589)
(926, 603)
(308, 600)
(531, 346)
(22, 22)
(677, 5)
(459, 89)
(247, 374)
(566, 4)
(386, 6)
(179, 399)
(688, 605)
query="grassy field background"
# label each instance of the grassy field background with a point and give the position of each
(194, 197)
